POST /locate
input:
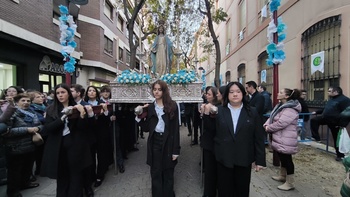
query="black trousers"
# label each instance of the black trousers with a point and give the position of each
(162, 179)
(69, 183)
(233, 182)
(287, 162)
(210, 178)
(315, 124)
(19, 169)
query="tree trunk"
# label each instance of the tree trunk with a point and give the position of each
(216, 44)
(130, 27)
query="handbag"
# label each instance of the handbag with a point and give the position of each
(37, 139)
(343, 141)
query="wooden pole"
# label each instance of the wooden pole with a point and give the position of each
(276, 160)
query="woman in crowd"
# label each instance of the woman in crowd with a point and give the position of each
(66, 152)
(40, 109)
(207, 143)
(282, 124)
(101, 137)
(239, 141)
(163, 144)
(20, 149)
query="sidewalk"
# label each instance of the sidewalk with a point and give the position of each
(136, 181)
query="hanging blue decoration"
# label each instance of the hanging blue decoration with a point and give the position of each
(281, 37)
(275, 52)
(271, 48)
(274, 4)
(67, 28)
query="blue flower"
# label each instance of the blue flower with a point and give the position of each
(281, 37)
(63, 9)
(274, 4)
(271, 48)
(69, 67)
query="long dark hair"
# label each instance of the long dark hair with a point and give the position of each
(86, 98)
(227, 91)
(214, 90)
(54, 110)
(169, 104)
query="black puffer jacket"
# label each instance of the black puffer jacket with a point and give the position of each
(18, 140)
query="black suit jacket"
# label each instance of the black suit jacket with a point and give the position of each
(171, 137)
(79, 156)
(243, 147)
(258, 101)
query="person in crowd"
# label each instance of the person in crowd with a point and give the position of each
(117, 137)
(267, 98)
(161, 53)
(39, 108)
(78, 93)
(11, 92)
(239, 130)
(66, 152)
(221, 93)
(50, 97)
(105, 92)
(20, 149)
(282, 124)
(6, 111)
(100, 149)
(189, 117)
(305, 118)
(330, 116)
(163, 144)
(255, 99)
(207, 143)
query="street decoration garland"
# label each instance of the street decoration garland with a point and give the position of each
(68, 29)
(132, 77)
(276, 54)
(181, 77)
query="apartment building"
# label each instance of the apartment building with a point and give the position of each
(30, 50)
(312, 26)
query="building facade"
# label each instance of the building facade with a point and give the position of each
(30, 50)
(312, 26)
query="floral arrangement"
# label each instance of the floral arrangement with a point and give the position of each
(132, 77)
(67, 28)
(181, 77)
(276, 54)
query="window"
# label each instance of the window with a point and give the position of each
(127, 57)
(322, 36)
(121, 53)
(263, 12)
(228, 77)
(120, 24)
(108, 9)
(108, 48)
(7, 73)
(228, 36)
(241, 73)
(242, 15)
(265, 72)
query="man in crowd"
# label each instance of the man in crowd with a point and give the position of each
(330, 116)
(255, 99)
(305, 118)
(267, 97)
